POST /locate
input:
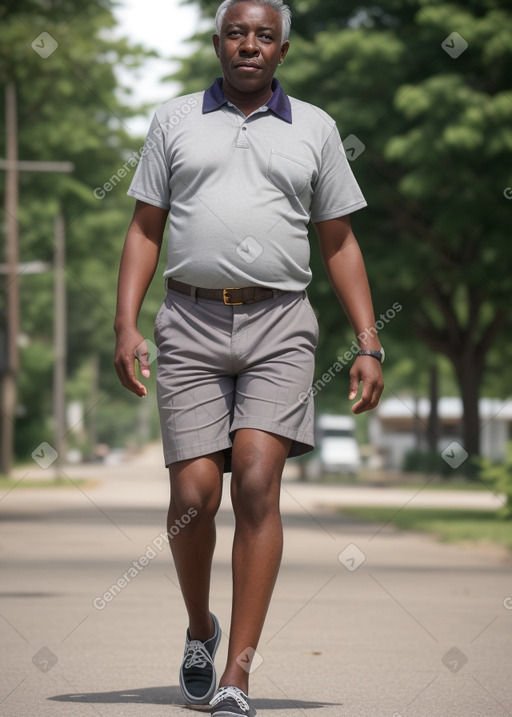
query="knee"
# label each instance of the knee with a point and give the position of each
(195, 493)
(258, 461)
(178, 520)
(255, 496)
(194, 502)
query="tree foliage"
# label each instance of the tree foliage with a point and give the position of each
(424, 86)
(433, 110)
(499, 478)
(69, 109)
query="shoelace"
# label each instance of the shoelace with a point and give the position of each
(233, 692)
(197, 655)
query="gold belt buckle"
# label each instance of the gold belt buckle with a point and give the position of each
(227, 299)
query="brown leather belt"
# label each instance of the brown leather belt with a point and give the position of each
(230, 297)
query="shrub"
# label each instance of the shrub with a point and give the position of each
(499, 477)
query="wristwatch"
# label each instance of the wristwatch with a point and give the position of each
(379, 355)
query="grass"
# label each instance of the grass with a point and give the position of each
(7, 484)
(429, 482)
(447, 524)
(445, 485)
(415, 482)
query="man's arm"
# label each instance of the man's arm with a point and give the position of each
(138, 264)
(345, 267)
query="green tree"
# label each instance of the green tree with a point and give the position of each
(423, 87)
(69, 109)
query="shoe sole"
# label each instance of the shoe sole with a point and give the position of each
(234, 714)
(252, 713)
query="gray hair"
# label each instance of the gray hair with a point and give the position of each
(282, 9)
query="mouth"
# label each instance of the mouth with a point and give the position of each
(248, 67)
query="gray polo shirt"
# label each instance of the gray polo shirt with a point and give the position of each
(242, 190)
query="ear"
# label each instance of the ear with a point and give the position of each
(216, 44)
(284, 52)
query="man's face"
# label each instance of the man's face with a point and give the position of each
(250, 45)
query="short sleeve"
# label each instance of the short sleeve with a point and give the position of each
(336, 192)
(151, 180)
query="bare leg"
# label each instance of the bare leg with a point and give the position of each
(258, 461)
(196, 490)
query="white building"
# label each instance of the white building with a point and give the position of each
(399, 425)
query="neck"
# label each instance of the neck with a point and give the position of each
(247, 102)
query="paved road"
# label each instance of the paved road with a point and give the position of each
(365, 620)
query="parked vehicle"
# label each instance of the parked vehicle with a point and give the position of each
(337, 448)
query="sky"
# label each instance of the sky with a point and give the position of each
(162, 25)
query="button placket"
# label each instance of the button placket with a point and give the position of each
(242, 141)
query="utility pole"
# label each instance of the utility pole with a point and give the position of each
(8, 379)
(60, 343)
(8, 384)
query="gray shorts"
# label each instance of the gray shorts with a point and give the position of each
(221, 368)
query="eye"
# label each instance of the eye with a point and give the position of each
(265, 36)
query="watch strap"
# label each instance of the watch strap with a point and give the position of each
(374, 354)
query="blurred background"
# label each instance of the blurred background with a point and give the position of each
(420, 90)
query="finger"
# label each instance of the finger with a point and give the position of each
(135, 386)
(126, 373)
(365, 399)
(360, 407)
(369, 398)
(142, 356)
(354, 387)
(355, 379)
(138, 388)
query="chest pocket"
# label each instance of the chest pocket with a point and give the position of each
(287, 173)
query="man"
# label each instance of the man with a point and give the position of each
(241, 169)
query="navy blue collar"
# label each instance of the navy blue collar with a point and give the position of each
(279, 103)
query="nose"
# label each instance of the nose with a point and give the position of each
(249, 46)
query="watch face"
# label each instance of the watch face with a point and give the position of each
(382, 354)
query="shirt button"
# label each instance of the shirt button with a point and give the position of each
(244, 128)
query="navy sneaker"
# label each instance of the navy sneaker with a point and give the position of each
(231, 702)
(198, 679)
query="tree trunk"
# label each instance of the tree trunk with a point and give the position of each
(433, 419)
(467, 346)
(469, 375)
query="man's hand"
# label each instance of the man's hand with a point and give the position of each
(368, 371)
(138, 263)
(131, 347)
